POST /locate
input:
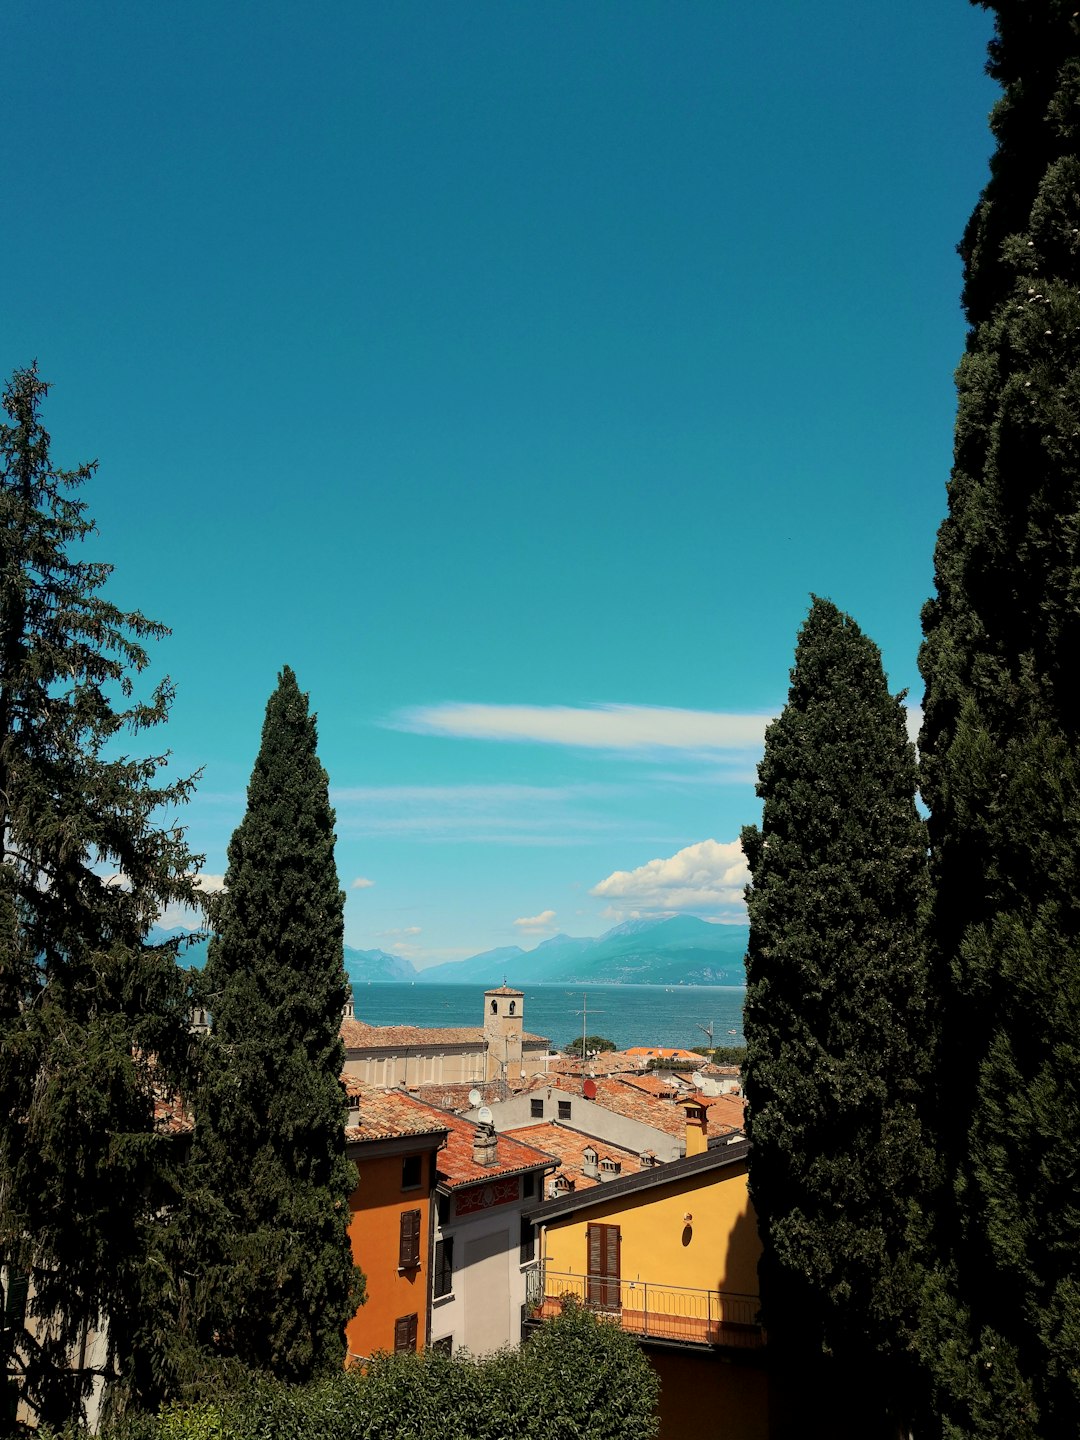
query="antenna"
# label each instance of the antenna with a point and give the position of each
(708, 1030)
(474, 1097)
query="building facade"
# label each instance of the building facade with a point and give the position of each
(499, 1049)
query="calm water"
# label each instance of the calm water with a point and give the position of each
(627, 1014)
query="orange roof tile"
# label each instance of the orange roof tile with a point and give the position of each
(725, 1112)
(568, 1146)
(662, 1052)
(456, 1164)
(388, 1114)
(358, 1036)
(610, 1062)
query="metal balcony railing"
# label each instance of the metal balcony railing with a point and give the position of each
(653, 1311)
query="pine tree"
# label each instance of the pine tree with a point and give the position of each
(1000, 772)
(836, 1021)
(270, 1133)
(94, 1023)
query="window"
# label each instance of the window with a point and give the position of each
(564, 1109)
(513, 1003)
(412, 1172)
(409, 1246)
(445, 1343)
(405, 1334)
(444, 1267)
(494, 1007)
(528, 1241)
(444, 1209)
(536, 1109)
(528, 1185)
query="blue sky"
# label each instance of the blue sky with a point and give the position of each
(514, 372)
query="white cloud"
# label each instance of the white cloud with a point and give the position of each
(707, 877)
(596, 727)
(361, 883)
(407, 930)
(212, 884)
(503, 814)
(914, 722)
(534, 923)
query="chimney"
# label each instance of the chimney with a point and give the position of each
(485, 1150)
(588, 1164)
(697, 1126)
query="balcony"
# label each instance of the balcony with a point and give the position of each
(654, 1312)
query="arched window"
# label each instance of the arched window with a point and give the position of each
(512, 1004)
(494, 1007)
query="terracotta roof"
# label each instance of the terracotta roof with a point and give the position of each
(718, 1157)
(388, 1114)
(609, 1062)
(662, 1086)
(170, 1116)
(635, 1104)
(568, 1146)
(456, 1164)
(661, 1052)
(725, 1112)
(358, 1036)
(447, 1096)
(504, 990)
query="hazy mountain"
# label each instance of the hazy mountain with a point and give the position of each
(678, 949)
(672, 950)
(375, 967)
(189, 955)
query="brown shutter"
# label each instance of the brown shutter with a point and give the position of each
(409, 1246)
(405, 1333)
(603, 1243)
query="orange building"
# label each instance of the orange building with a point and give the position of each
(394, 1143)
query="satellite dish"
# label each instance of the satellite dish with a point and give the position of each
(484, 1115)
(474, 1097)
(698, 1079)
(589, 1089)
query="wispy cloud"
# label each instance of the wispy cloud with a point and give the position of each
(506, 814)
(706, 878)
(536, 924)
(361, 883)
(595, 727)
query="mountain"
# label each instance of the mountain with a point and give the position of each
(485, 969)
(671, 950)
(191, 955)
(375, 967)
(668, 950)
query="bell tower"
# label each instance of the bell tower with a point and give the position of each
(503, 1030)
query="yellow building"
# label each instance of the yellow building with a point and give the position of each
(671, 1254)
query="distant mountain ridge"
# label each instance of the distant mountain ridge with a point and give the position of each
(671, 950)
(677, 949)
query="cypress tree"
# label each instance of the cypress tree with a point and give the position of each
(1000, 773)
(836, 1020)
(94, 1023)
(270, 1132)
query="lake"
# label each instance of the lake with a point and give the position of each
(627, 1014)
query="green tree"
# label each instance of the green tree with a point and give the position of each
(94, 1023)
(999, 752)
(270, 1137)
(836, 1017)
(593, 1045)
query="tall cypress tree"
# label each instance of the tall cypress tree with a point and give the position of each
(94, 1023)
(1000, 771)
(836, 1024)
(270, 1132)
